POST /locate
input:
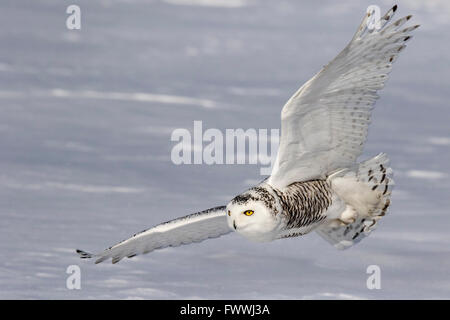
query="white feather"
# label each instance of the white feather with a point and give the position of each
(324, 124)
(196, 227)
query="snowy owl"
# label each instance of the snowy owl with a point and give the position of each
(316, 182)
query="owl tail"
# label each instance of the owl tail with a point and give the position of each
(366, 190)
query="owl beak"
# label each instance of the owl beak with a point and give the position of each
(234, 225)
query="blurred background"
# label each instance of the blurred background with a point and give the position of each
(86, 118)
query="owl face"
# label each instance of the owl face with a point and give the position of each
(253, 220)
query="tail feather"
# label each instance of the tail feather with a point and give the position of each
(367, 189)
(377, 174)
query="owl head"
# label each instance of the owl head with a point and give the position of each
(255, 214)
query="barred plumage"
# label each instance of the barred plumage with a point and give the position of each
(304, 203)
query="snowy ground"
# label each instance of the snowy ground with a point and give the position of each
(85, 160)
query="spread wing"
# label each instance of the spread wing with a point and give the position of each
(211, 223)
(324, 124)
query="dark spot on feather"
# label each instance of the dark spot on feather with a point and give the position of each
(347, 230)
(374, 187)
(386, 205)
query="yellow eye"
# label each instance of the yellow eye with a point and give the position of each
(229, 213)
(249, 212)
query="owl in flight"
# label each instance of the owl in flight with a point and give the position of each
(316, 183)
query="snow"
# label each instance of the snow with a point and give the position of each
(85, 126)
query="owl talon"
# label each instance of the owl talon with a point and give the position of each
(348, 216)
(343, 223)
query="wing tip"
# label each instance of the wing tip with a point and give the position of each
(84, 254)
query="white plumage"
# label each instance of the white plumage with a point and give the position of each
(316, 183)
(324, 124)
(196, 227)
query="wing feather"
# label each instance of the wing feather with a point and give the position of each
(211, 223)
(324, 124)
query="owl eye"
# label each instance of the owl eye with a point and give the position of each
(229, 212)
(248, 212)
